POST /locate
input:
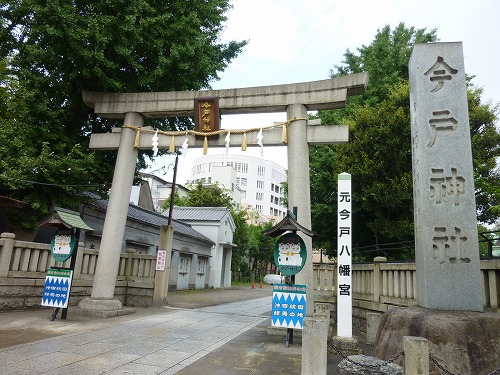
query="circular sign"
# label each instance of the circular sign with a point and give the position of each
(290, 254)
(62, 245)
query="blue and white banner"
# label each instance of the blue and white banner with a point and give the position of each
(289, 305)
(57, 287)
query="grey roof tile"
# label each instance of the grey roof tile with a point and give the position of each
(199, 213)
(152, 218)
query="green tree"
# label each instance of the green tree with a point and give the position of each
(378, 154)
(200, 195)
(57, 49)
(261, 249)
(4, 88)
(241, 237)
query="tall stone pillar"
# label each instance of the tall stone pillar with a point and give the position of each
(446, 240)
(299, 194)
(114, 224)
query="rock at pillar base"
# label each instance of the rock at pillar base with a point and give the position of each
(345, 345)
(362, 365)
(102, 308)
(464, 342)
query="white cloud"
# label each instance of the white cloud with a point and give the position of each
(297, 40)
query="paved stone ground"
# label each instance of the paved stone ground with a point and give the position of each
(19, 327)
(247, 350)
(191, 299)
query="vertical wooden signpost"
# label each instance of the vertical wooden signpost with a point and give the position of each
(344, 257)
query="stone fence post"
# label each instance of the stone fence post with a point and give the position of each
(323, 309)
(416, 351)
(129, 263)
(6, 253)
(315, 346)
(372, 323)
(377, 278)
(77, 272)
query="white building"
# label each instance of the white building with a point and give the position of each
(154, 189)
(215, 223)
(259, 180)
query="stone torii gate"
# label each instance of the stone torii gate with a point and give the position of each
(133, 108)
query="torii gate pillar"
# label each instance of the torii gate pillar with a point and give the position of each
(296, 99)
(300, 195)
(114, 223)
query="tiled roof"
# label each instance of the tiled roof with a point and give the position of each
(152, 218)
(200, 213)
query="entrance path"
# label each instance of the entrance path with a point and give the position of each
(195, 334)
(152, 341)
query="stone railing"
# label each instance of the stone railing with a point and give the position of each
(23, 266)
(379, 286)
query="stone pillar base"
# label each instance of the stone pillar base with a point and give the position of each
(347, 345)
(463, 342)
(102, 308)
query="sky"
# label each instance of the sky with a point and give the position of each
(293, 41)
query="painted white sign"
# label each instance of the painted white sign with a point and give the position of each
(289, 305)
(161, 259)
(344, 257)
(57, 287)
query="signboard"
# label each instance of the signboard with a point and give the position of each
(344, 257)
(206, 115)
(161, 259)
(289, 305)
(290, 254)
(62, 244)
(57, 287)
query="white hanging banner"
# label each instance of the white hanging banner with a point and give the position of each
(344, 257)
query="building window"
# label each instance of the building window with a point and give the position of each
(240, 167)
(244, 182)
(202, 266)
(202, 168)
(261, 171)
(259, 196)
(260, 184)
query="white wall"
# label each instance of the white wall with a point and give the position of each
(255, 176)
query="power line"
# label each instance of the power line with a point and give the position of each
(53, 184)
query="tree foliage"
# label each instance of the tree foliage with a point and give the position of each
(57, 49)
(261, 249)
(378, 154)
